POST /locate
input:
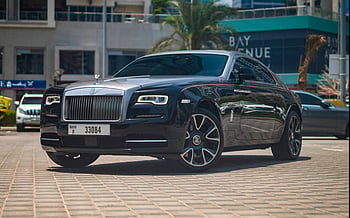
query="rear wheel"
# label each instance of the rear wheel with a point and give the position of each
(289, 147)
(72, 160)
(203, 142)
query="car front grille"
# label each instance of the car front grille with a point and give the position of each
(33, 112)
(92, 107)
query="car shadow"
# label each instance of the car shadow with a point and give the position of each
(32, 129)
(227, 163)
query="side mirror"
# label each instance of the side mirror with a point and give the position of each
(16, 103)
(325, 104)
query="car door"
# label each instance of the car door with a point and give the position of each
(318, 117)
(260, 102)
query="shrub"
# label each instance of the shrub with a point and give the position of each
(9, 119)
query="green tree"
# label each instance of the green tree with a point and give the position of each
(160, 6)
(196, 26)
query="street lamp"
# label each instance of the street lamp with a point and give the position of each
(104, 40)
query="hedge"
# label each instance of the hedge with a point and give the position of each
(9, 119)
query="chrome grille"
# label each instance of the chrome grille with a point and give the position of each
(92, 107)
(33, 112)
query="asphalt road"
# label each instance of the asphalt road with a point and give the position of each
(242, 184)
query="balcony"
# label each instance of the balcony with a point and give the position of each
(29, 18)
(150, 18)
(111, 17)
(286, 11)
(42, 16)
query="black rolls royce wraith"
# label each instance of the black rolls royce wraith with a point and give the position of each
(184, 105)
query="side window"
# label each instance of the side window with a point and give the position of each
(261, 73)
(307, 99)
(239, 64)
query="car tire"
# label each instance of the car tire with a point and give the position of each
(289, 147)
(72, 160)
(203, 141)
(20, 127)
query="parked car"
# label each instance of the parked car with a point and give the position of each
(185, 105)
(321, 118)
(28, 111)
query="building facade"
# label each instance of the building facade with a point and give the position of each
(66, 36)
(55, 41)
(279, 42)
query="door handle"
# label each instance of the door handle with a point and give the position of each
(242, 91)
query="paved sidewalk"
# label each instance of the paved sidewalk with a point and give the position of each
(243, 184)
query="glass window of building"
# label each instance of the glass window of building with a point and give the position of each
(118, 59)
(263, 3)
(77, 62)
(30, 61)
(33, 10)
(2, 9)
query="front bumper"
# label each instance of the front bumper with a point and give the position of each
(133, 139)
(29, 120)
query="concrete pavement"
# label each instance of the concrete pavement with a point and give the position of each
(243, 184)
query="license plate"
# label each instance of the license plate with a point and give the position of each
(88, 129)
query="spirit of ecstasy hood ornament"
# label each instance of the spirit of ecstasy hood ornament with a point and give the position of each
(97, 76)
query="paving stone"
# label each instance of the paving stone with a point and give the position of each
(243, 184)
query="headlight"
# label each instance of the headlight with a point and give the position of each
(153, 99)
(53, 99)
(21, 110)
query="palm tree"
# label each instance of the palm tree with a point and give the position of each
(160, 6)
(313, 44)
(196, 26)
(328, 86)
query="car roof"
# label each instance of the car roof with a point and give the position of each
(32, 95)
(300, 91)
(304, 92)
(218, 52)
(307, 93)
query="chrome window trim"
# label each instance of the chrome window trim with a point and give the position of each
(147, 141)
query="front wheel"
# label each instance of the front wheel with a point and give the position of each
(289, 147)
(72, 160)
(203, 142)
(20, 127)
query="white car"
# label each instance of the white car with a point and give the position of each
(28, 111)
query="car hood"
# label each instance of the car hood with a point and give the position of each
(30, 106)
(138, 82)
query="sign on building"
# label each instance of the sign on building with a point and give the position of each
(23, 84)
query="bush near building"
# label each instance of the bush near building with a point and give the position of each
(9, 118)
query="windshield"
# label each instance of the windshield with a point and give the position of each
(176, 64)
(31, 100)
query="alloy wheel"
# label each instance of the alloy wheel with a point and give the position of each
(294, 135)
(202, 142)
